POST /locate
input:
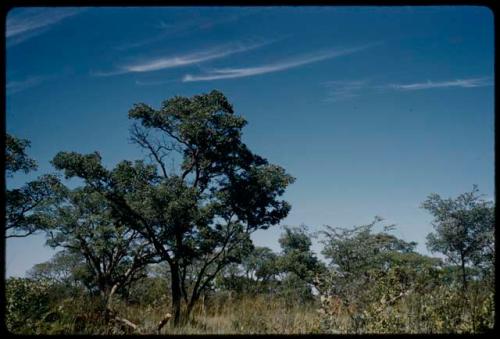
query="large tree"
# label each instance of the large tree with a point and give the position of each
(198, 215)
(464, 230)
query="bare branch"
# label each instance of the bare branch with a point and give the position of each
(140, 136)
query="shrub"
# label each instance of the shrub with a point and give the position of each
(27, 301)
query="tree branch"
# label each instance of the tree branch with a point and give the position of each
(141, 138)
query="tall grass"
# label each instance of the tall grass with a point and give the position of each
(441, 310)
(242, 315)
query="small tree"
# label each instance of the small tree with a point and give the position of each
(353, 251)
(63, 269)
(368, 271)
(261, 267)
(114, 255)
(357, 257)
(296, 256)
(464, 230)
(257, 273)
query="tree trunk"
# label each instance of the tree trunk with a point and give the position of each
(109, 298)
(464, 276)
(194, 299)
(106, 302)
(176, 294)
(191, 304)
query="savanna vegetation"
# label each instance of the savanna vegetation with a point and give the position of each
(148, 247)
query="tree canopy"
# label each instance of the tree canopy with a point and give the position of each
(464, 230)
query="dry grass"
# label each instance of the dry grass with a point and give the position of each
(246, 315)
(441, 311)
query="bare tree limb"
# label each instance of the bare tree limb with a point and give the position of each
(163, 322)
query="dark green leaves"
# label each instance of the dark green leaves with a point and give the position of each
(252, 195)
(356, 250)
(464, 229)
(85, 166)
(15, 156)
(297, 256)
(26, 206)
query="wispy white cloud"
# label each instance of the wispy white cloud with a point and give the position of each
(231, 73)
(166, 31)
(157, 64)
(23, 24)
(186, 26)
(464, 83)
(344, 90)
(17, 39)
(21, 85)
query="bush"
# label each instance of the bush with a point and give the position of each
(27, 302)
(151, 291)
(404, 301)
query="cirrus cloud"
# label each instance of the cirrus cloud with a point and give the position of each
(156, 64)
(23, 24)
(464, 83)
(231, 73)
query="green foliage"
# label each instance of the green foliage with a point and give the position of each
(353, 251)
(148, 291)
(298, 265)
(109, 255)
(16, 158)
(292, 289)
(385, 311)
(288, 276)
(256, 274)
(81, 314)
(464, 230)
(26, 206)
(369, 274)
(262, 264)
(154, 235)
(27, 301)
(357, 255)
(297, 256)
(198, 219)
(66, 273)
(408, 300)
(22, 205)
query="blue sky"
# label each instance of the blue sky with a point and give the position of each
(370, 108)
